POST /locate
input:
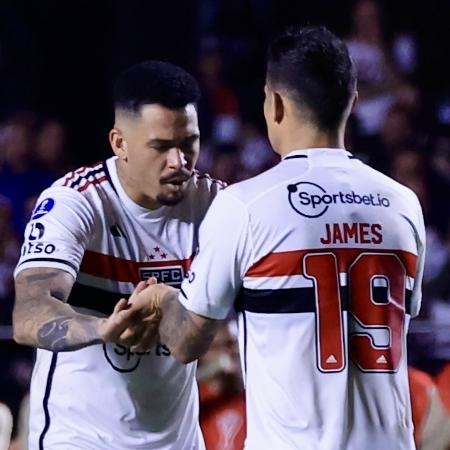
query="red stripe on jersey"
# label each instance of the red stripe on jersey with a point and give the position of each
(119, 269)
(72, 175)
(291, 262)
(93, 182)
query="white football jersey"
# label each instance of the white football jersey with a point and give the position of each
(105, 396)
(322, 257)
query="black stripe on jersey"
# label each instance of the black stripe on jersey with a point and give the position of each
(108, 175)
(244, 320)
(305, 156)
(48, 388)
(288, 301)
(268, 301)
(86, 176)
(60, 261)
(296, 157)
(408, 295)
(94, 298)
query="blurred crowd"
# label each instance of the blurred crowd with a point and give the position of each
(396, 127)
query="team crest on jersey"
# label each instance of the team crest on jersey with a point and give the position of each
(311, 200)
(43, 208)
(172, 275)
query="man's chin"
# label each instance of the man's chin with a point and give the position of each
(170, 199)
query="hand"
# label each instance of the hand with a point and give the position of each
(112, 327)
(142, 335)
(122, 317)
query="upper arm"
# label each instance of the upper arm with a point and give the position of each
(225, 252)
(58, 232)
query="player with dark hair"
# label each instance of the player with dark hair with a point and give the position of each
(93, 236)
(322, 257)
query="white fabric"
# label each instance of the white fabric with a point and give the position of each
(255, 245)
(105, 397)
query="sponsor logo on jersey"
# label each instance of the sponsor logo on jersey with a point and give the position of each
(123, 360)
(116, 231)
(190, 275)
(311, 200)
(172, 275)
(36, 232)
(35, 248)
(43, 208)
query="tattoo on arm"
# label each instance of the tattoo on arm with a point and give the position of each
(187, 335)
(42, 318)
(68, 333)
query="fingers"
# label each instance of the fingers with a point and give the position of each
(142, 334)
(152, 280)
(137, 290)
(121, 305)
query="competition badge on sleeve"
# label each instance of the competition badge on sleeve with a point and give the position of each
(43, 208)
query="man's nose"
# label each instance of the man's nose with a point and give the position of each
(176, 158)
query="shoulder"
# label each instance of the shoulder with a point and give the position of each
(73, 194)
(84, 177)
(389, 184)
(256, 187)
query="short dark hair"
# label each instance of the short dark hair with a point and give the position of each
(315, 68)
(151, 82)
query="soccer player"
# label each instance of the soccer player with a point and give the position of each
(322, 257)
(93, 235)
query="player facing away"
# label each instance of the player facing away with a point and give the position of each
(93, 235)
(322, 256)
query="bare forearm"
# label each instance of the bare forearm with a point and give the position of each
(42, 319)
(188, 336)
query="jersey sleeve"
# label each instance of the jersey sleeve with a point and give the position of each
(225, 252)
(416, 296)
(58, 231)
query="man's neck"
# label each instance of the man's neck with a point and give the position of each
(134, 194)
(310, 138)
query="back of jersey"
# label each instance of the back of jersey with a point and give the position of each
(333, 275)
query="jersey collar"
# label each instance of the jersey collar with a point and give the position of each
(316, 152)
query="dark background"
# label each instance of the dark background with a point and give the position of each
(60, 57)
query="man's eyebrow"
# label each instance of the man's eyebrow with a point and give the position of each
(160, 141)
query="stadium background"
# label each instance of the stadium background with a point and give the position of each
(58, 61)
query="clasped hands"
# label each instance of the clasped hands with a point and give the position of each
(134, 322)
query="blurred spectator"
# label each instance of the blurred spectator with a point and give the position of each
(19, 177)
(219, 106)
(15, 374)
(256, 153)
(443, 385)
(51, 155)
(409, 168)
(6, 423)
(430, 418)
(378, 71)
(9, 254)
(20, 442)
(227, 165)
(222, 405)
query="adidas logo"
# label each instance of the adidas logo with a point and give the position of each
(331, 359)
(116, 231)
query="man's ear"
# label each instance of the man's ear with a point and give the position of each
(118, 143)
(278, 107)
